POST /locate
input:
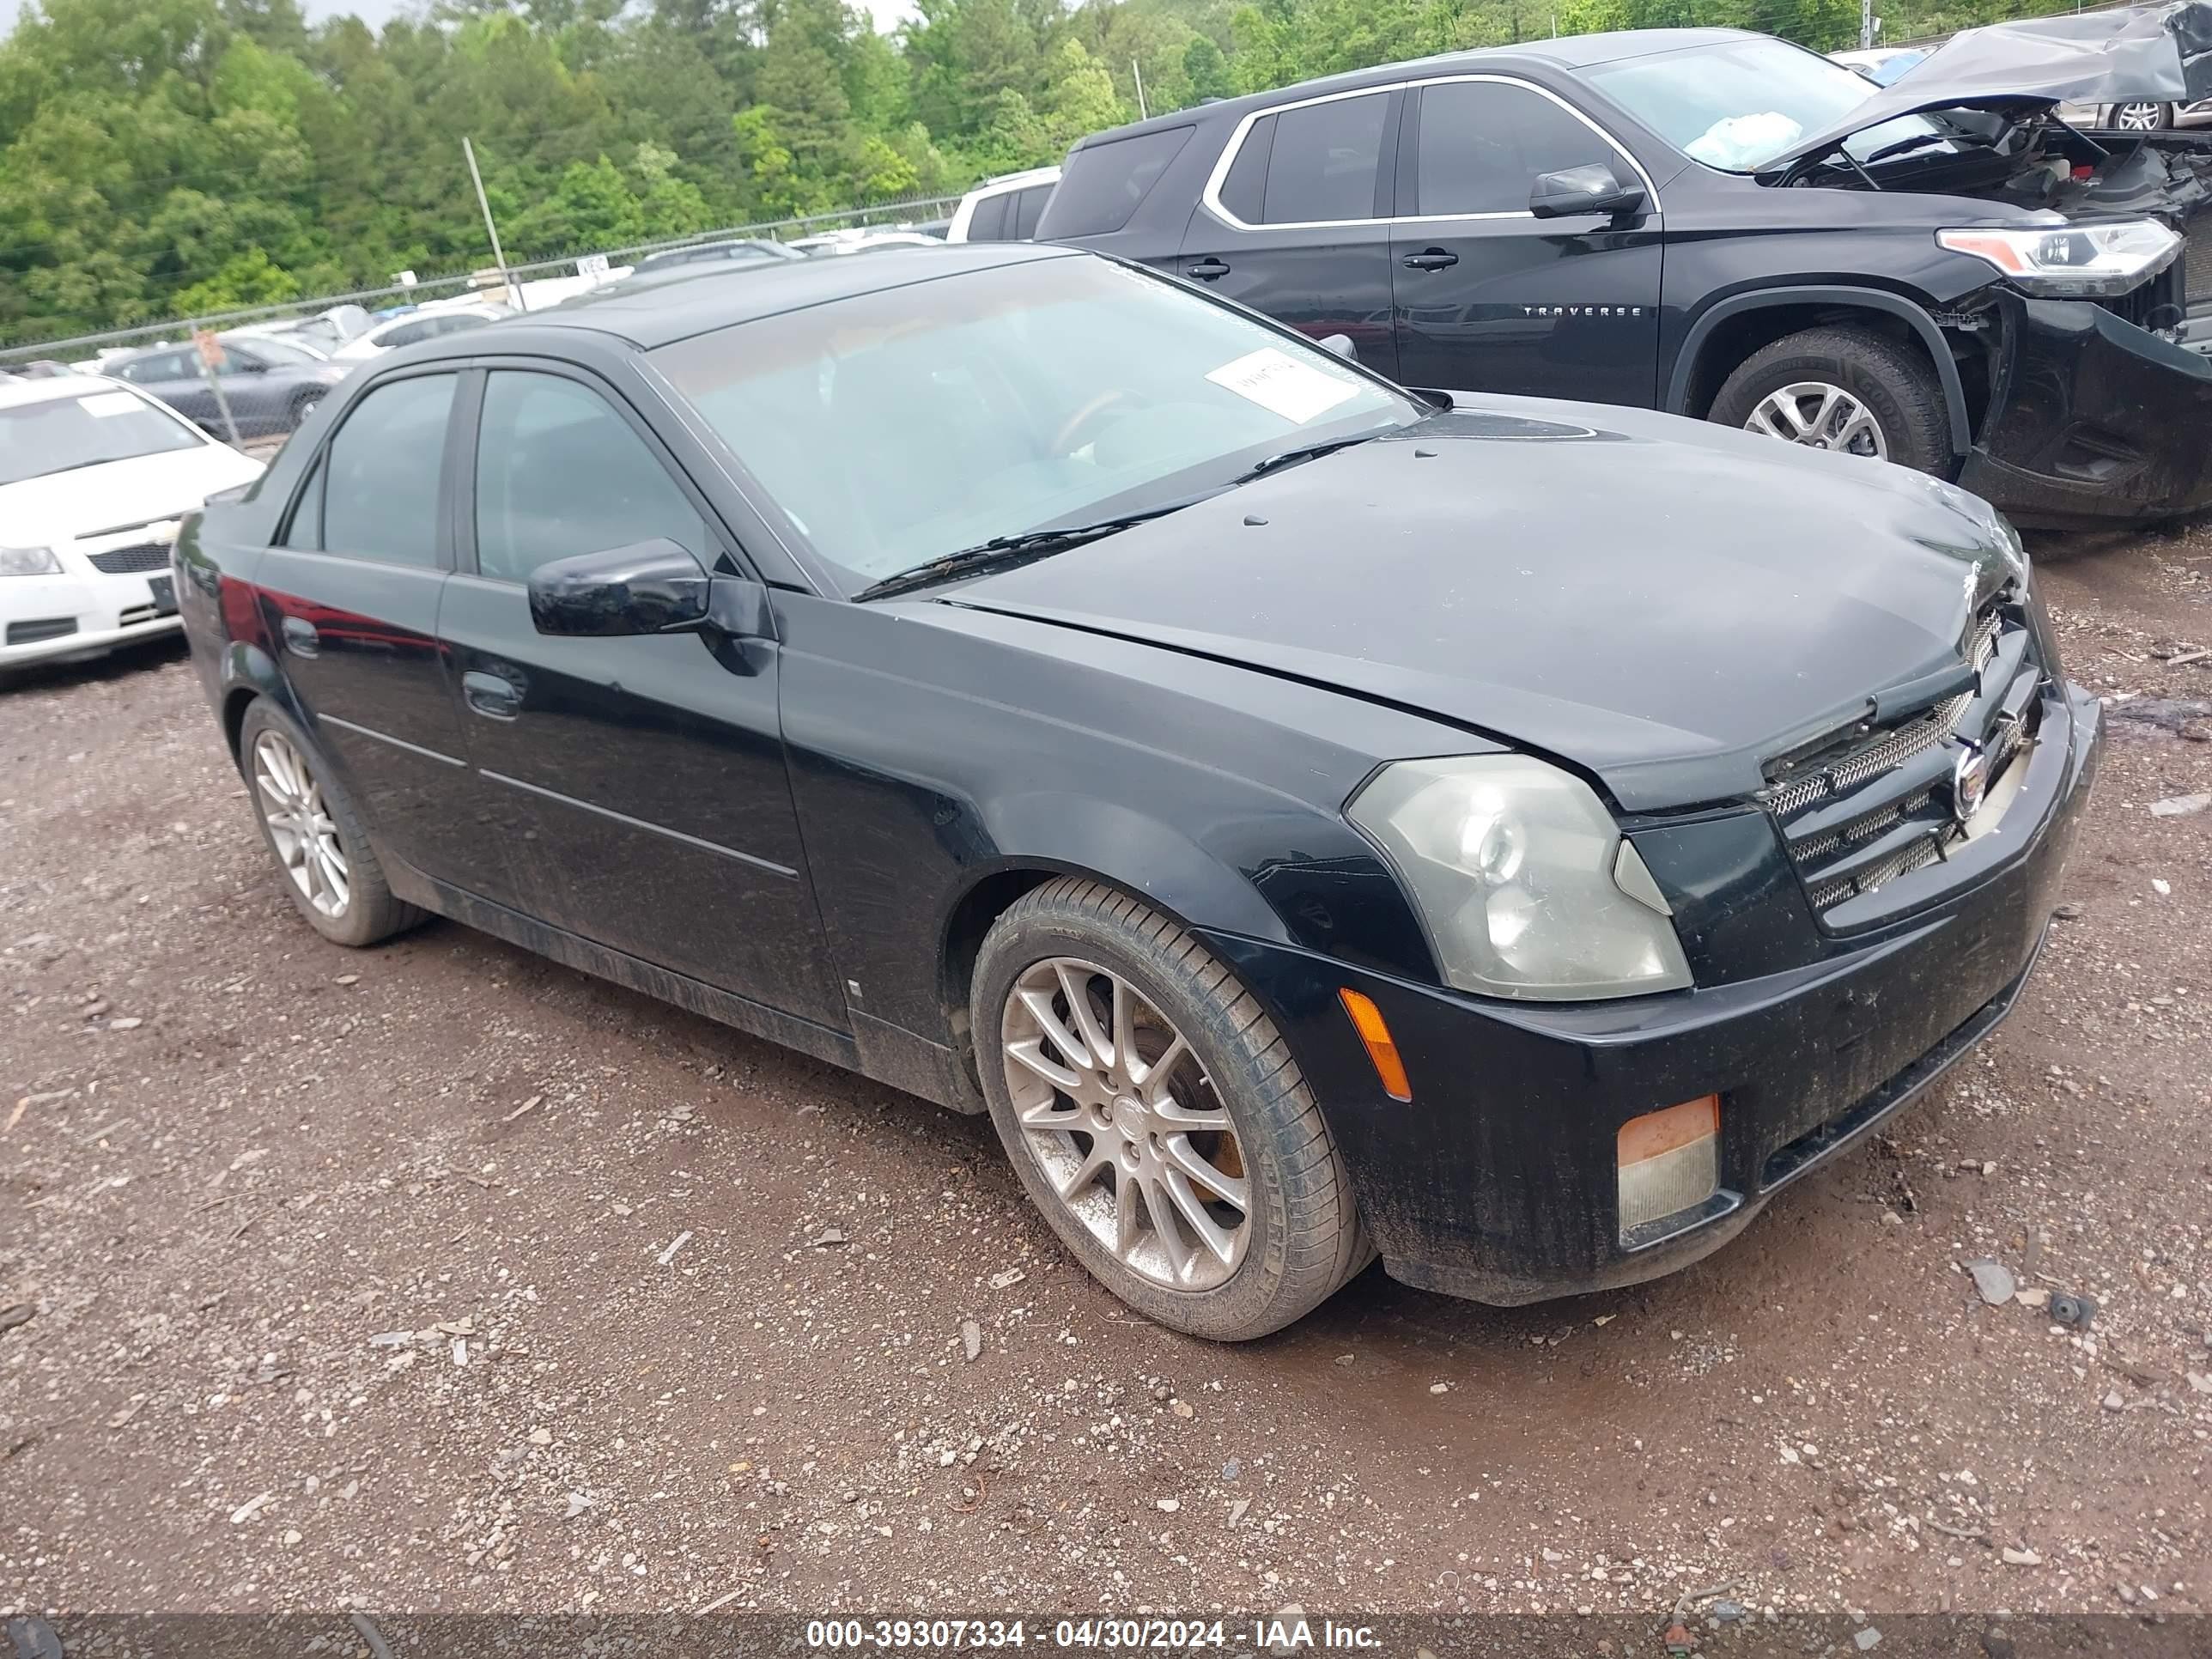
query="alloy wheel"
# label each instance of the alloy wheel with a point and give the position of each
(1125, 1124)
(2139, 118)
(301, 827)
(1820, 416)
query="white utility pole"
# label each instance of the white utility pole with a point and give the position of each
(498, 256)
(1138, 69)
(1866, 25)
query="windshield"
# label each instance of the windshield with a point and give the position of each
(896, 427)
(58, 434)
(271, 349)
(1738, 106)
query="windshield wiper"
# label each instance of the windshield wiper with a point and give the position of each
(1001, 552)
(1306, 452)
(1919, 141)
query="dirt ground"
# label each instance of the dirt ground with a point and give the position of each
(437, 1278)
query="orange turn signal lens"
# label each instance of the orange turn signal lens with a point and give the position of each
(1382, 1048)
(1669, 1162)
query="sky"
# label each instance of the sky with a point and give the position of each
(887, 13)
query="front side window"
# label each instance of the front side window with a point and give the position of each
(1324, 160)
(897, 426)
(1483, 144)
(380, 488)
(61, 434)
(559, 473)
(1742, 106)
(1029, 208)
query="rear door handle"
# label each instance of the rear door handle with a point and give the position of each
(1430, 258)
(491, 697)
(1206, 270)
(301, 638)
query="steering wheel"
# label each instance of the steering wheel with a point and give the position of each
(1064, 440)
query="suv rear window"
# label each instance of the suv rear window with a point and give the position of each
(1104, 183)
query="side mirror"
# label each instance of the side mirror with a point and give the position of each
(648, 587)
(1341, 345)
(1592, 189)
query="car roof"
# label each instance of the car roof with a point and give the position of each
(1022, 180)
(711, 298)
(13, 394)
(1569, 51)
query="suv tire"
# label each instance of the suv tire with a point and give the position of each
(288, 786)
(1894, 386)
(1095, 1155)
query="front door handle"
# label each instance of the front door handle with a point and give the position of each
(1430, 258)
(301, 637)
(1206, 270)
(491, 697)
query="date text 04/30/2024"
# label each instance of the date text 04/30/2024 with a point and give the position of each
(1277, 1635)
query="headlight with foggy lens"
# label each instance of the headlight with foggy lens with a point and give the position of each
(1524, 880)
(28, 562)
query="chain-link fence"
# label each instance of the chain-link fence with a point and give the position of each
(249, 376)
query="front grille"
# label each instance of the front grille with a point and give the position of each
(49, 628)
(134, 560)
(1879, 803)
(2197, 258)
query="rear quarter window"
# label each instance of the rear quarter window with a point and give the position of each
(1104, 183)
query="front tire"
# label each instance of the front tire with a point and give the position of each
(1155, 1116)
(1846, 389)
(309, 825)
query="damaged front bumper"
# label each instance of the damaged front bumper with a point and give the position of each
(2093, 420)
(1499, 1180)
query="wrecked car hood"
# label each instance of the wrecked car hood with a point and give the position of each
(2156, 52)
(1664, 602)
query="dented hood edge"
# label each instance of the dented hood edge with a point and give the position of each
(2160, 52)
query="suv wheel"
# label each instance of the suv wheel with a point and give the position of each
(1156, 1117)
(1847, 389)
(310, 825)
(2142, 117)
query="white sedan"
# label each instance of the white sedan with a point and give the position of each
(424, 325)
(94, 476)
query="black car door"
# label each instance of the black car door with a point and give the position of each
(1491, 298)
(174, 377)
(1296, 219)
(351, 597)
(648, 805)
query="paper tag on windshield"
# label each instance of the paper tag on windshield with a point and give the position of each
(1283, 385)
(104, 403)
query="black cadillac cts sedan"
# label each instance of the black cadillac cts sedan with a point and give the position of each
(1313, 820)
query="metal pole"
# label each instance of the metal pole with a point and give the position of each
(1138, 69)
(1866, 25)
(214, 385)
(498, 256)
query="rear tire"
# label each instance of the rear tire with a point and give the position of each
(1214, 1097)
(1778, 389)
(303, 405)
(2140, 116)
(310, 827)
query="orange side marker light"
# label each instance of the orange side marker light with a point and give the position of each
(1382, 1048)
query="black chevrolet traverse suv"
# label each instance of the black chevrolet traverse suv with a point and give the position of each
(1722, 224)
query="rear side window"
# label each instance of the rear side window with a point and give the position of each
(1484, 143)
(1029, 208)
(408, 334)
(1324, 160)
(559, 473)
(989, 222)
(305, 530)
(1104, 183)
(380, 484)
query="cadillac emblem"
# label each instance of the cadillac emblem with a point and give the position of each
(1970, 783)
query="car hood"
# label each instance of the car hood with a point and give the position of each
(62, 506)
(1660, 602)
(2159, 53)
